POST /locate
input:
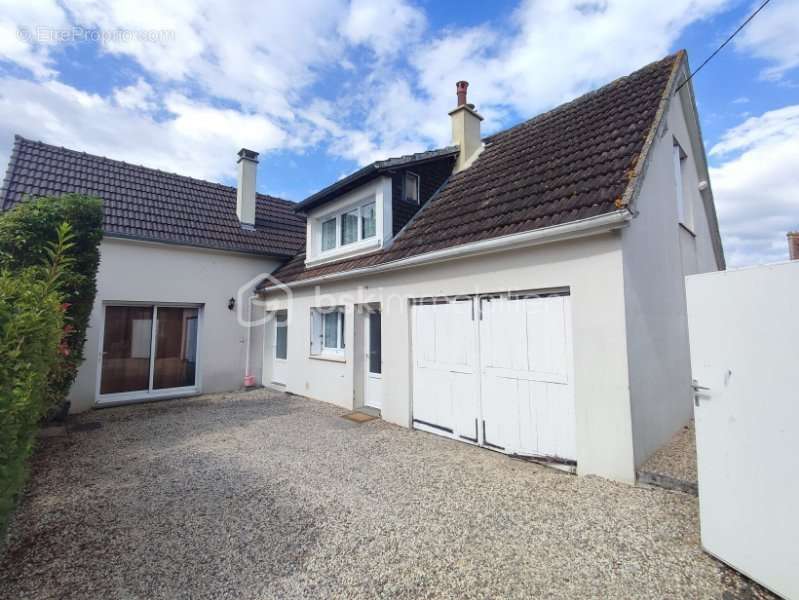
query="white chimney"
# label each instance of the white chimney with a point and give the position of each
(465, 129)
(245, 191)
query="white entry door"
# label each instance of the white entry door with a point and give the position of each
(446, 385)
(744, 328)
(279, 347)
(497, 372)
(373, 359)
(527, 383)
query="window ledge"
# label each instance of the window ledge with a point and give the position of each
(686, 228)
(328, 357)
(347, 251)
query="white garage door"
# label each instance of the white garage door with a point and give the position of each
(446, 383)
(498, 372)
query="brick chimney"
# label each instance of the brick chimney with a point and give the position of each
(245, 190)
(793, 245)
(465, 129)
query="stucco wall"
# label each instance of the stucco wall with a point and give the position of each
(591, 268)
(139, 272)
(658, 253)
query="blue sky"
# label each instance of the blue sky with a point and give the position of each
(321, 88)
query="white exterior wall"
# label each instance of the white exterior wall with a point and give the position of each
(590, 267)
(658, 253)
(142, 272)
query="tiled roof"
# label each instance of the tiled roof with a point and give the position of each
(152, 205)
(570, 163)
(360, 176)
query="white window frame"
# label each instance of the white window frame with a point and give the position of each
(379, 190)
(361, 212)
(685, 215)
(319, 347)
(322, 224)
(418, 199)
(285, 327)
(151, 393)
(358, 211)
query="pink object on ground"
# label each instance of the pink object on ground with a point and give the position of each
(249, 380)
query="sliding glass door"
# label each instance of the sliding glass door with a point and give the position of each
(148, 350)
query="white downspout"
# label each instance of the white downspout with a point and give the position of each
(249, 379)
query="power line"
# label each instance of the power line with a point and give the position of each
(727, 41)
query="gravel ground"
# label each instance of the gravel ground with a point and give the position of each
(261, 495)
(676, 459)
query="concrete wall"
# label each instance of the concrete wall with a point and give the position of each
(590, 267)
(141, 272)
(658, 253)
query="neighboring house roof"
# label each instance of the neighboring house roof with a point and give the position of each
(148, 204)
(364, 174)
(577, 161)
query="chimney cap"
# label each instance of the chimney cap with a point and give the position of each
(460, 89)
(245, 154)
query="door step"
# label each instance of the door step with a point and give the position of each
(368, 410)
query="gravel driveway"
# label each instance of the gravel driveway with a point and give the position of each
(262, 495)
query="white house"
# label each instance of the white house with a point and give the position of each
(533, 301)
(174, 254)
(523, 292)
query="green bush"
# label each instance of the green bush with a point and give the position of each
(26, 234)
(32, 345)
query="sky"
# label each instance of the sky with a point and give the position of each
(322, 88)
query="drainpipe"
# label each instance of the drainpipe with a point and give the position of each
(249, 378)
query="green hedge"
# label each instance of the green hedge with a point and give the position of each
(31, 347)
(26, 234)
(49, 255)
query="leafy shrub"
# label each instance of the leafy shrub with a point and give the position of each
(27, 233)
(31, 347)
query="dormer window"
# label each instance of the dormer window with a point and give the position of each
(354, 225)
(411, 187)
(368, 221)
(349, 227)
(356, 222)
(329, 234)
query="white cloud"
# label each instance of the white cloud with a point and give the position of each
(21, 39)
(139, 96)
(260, 55)
(773, 125)
(773, 35)
(383, 25)
(197, 140)
(755, 186)
(270, 61)
(547, 53)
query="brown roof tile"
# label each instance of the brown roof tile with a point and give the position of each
(568, 164)
(150, 204)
